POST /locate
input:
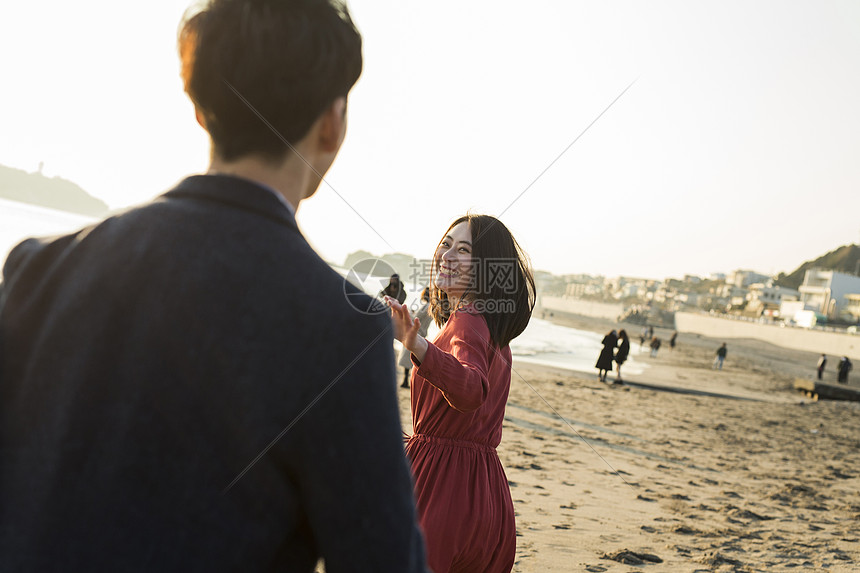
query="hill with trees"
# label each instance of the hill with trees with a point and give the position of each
(845, 259)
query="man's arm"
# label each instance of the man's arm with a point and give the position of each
(354, 479)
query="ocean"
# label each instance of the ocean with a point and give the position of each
(19, 221)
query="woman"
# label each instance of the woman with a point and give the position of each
(604, 361)
(621, 355)
(482, 296)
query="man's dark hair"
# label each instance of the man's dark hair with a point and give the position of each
(290, 59)
(502, 288)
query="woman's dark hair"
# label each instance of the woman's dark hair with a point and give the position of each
(502, 288)
(288, 59)
(622, 334)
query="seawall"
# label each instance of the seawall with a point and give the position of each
(833, 344)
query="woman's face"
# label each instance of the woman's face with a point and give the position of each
(454, 261)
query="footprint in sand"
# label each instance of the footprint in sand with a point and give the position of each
(628, 557)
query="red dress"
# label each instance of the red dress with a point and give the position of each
(464, 503)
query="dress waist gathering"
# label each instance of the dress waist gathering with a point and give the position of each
(451, 442)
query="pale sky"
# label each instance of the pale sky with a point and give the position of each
(738, 145)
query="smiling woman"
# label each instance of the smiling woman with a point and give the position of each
(482, 296)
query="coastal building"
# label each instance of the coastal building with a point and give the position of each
(766, 299)
(826, 292)
(852, 306)
(744, 278)
(583, 286)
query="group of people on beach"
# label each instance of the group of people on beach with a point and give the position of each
(655, 341)
(616, 348)
(188, 386)
(845, 366)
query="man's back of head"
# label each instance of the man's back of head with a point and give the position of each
(261, 72)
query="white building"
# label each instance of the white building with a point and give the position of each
(741, 278)
(852, 306)
(771, 296)
(826, 292)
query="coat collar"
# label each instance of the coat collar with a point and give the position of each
(236, 192)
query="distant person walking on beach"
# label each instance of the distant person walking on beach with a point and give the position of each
(822, 362)
(394, 289)
(621, 355)
(845, 367)
(460, 386)
(655, 346)
(604, 360)
(720, 357)
(187, 385)
(424, 318)
(643, 336)
(672, 340)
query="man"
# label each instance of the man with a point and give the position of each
(185, 387)
(720, 357)
(822, 362)
(845, 367)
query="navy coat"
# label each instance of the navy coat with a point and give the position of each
(188, 387)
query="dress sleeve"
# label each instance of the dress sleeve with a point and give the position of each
(461, 372)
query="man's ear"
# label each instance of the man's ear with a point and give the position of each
(199, 117)
(333, 125)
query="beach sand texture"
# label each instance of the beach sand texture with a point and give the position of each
(758, 478)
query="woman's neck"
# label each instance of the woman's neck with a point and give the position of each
(453, 302)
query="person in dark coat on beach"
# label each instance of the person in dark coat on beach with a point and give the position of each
(720, 357)
(188, 386)
(655, 346)
(822, 362)
(845, 367)
(604, 361)
(394, 289)
(621, 355)
(672, 340)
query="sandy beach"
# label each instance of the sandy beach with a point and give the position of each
(682, 468)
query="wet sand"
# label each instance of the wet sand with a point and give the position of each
(685, 468)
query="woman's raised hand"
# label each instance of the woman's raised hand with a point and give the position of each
(406, 328)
